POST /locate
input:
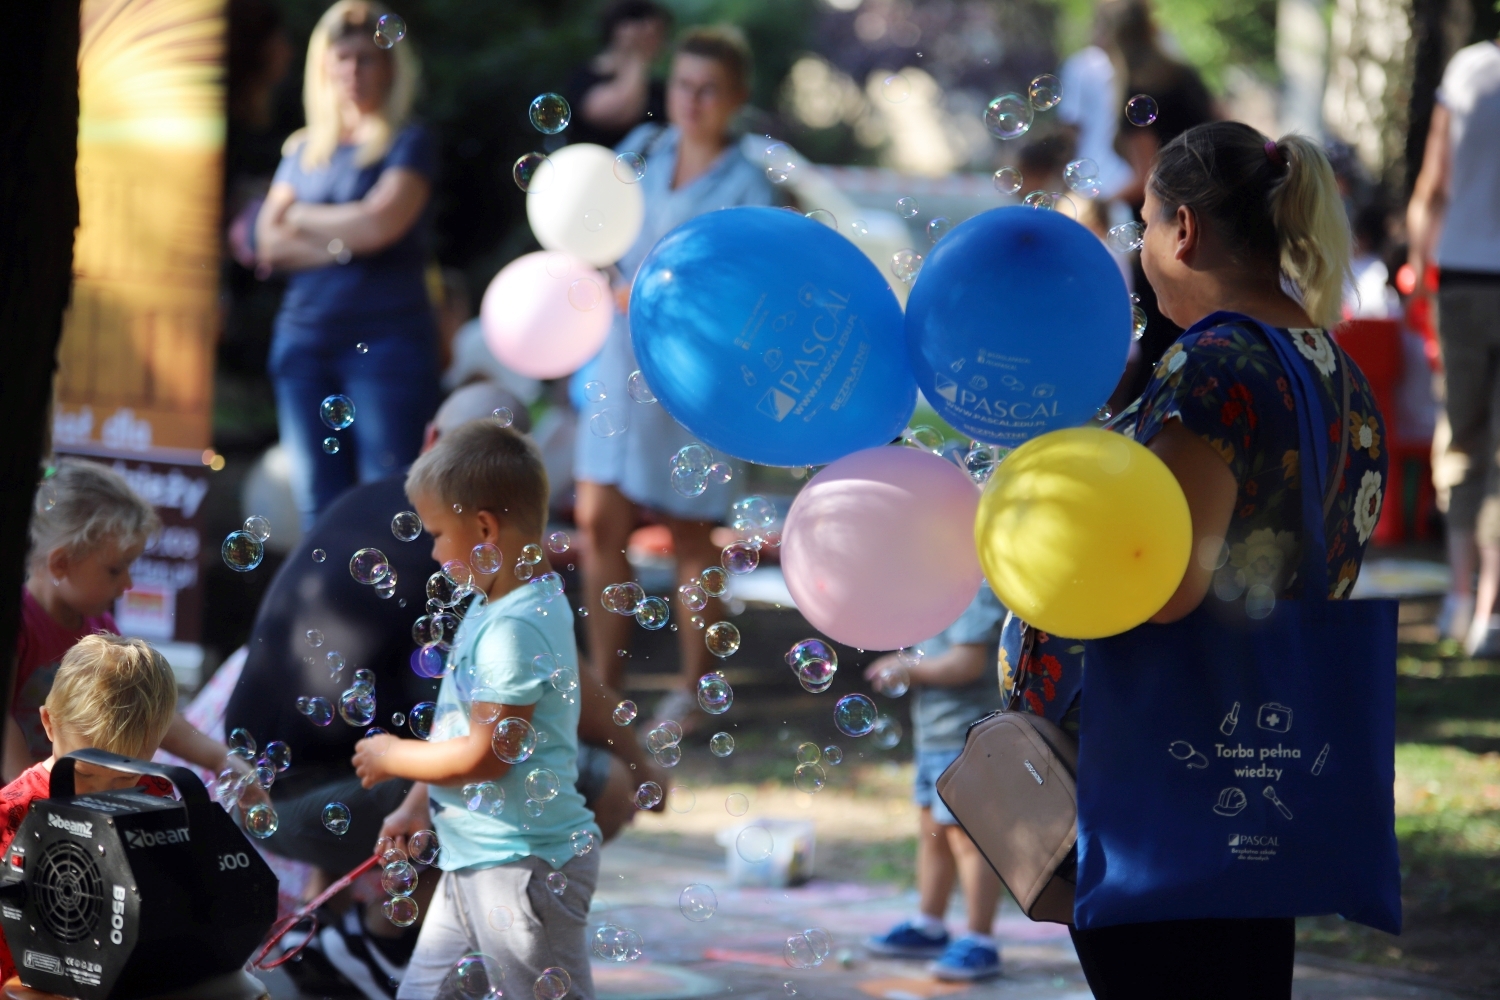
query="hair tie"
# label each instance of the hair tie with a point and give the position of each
(1273, 153)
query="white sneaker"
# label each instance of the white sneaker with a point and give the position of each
(1456, 616)
(1484, 639)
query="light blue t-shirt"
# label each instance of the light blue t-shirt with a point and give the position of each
(493, 661)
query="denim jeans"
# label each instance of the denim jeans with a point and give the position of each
(394, 386)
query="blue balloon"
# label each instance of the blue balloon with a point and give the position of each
(772, 338)
(1019, 324)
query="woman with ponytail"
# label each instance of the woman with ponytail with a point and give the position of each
(1246, 244)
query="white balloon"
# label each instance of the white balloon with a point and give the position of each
(545, 314)
(577, 205)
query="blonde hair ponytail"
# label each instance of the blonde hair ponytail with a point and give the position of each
(1272, 203)
(1312, 230)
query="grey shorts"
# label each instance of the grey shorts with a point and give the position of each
(1469, 331)
(508, 913)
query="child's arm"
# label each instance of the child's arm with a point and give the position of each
(446, 762)
(410, 816)
(961, 664)
(183, 740)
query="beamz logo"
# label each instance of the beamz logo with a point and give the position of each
(76, 827)
(156, 838)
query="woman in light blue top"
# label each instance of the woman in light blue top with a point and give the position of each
(693, 166)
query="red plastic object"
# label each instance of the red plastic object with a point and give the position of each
(1375, 346)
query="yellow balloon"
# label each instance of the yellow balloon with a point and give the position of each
(1083, 533)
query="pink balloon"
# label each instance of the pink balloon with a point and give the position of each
(878, 550)
(545, 314)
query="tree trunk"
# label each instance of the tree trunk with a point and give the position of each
(38, 215)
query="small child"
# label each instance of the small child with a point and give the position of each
(109, 694)
(484, 484)
(87, 527)
(954, 684)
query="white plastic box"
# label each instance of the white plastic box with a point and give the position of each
(793, 847)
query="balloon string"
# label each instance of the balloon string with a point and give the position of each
(280, 929)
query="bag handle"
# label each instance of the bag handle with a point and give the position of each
(1317, 482)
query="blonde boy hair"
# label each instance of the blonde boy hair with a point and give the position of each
(320, 102)
(484, 465)
(81, 505)
(115, 694)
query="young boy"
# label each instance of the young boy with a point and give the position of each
(953, 685)
(485, 484)
(109, 694)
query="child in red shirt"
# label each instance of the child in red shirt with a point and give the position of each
(111, 694)
(87, 527)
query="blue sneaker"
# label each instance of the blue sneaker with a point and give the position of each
(906, 941)
(966, 960)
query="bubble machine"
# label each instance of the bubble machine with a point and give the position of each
(127, 895)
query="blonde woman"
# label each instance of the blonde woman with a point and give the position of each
(348, 216)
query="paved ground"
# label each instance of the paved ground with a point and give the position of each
(738, 952)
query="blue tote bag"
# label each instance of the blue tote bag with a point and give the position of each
(1231, 767)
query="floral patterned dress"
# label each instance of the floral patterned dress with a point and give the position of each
(1226, 385)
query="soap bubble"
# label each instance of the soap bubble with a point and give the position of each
(524, 170)
(550, 113)
(542, 784)
(514, 740)
(637, 388)
(552, 984)
(1082, 177)
(423, 847)
(660, 737)
(1137, 318)
(1045, 92)
(749, 513)
(924, 438)
(859, 227)
(648, 795)
(808, 753)
(368, 566)
(265, 776)
(335, 661)
(886, 733)
(905, 264)
(564, 679)
(389, 29)
(907, 207)
(893, 681)
(475, 976)
(697, 902)
(406, 526)
(398, 719)
(501, 918)
(1125, 237)
(484, 796)
(630, 167)
(1140, 110)
(582, 842)
(485, 559)
(680, 799)
(617, 944)
(531, 554)
(715, 581)
(624, 713)
(1008, 116)
(337, 412)
(258, 527)
(692, 596)
(809, 777)
(825, 217)
(1042, 200)
(278, 755)
(336, 818)
(399, 878)
(855, 715)
(714, 693)
(687, 482)
(318, 555)
(317, 710)
(420, 719)
(458, 573)
(739, 558)
(331, 446)
(400, 910)
(653, 613)
(721, 744)
(240, 739)
(722, 639)
(364, 680)
(584, 294)
(754, 844)
(242, 551)
(261, 821)
(780, 162)
(623, 598)
(895, 88)
(357, 707)
(938, 228)
(558, 542)
(736, 804)
(1008, 180)
(833, 755)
